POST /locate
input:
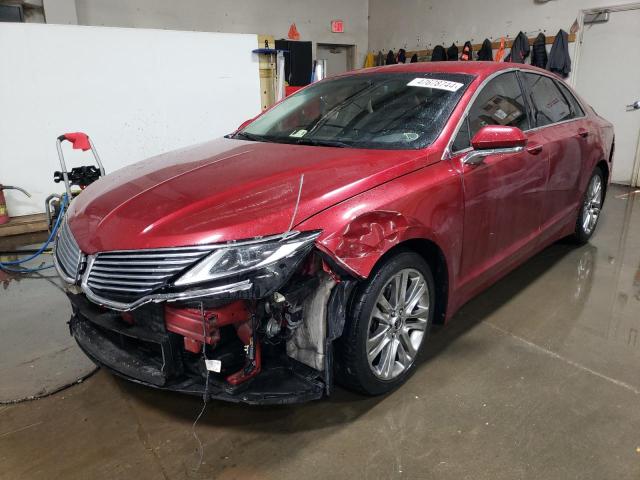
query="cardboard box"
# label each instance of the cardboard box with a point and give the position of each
(503, 111)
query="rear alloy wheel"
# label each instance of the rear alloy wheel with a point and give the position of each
(591, 208)
(388, 323)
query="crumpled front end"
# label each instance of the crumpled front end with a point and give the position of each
(250, 321)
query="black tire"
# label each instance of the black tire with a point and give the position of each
(582, 234)
(352, 365)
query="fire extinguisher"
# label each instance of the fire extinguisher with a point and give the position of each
(4, 215)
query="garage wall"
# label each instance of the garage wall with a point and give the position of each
(270, 17)
(136, 92)
(415, 24)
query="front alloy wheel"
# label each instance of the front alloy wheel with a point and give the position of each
(397, 324)
(387, 325)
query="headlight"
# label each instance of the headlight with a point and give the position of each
(230, 260)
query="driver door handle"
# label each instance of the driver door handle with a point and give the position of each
(534, 149)
(634, 106)
(583, 133)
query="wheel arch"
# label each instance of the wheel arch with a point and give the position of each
(604, 166)
(435, 258)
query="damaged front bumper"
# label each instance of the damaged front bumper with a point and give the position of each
(154, 352)
(150, 355)
(249, 321)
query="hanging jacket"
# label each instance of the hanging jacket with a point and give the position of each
(414, 58)
(391, 58)
(402, 56)
(380, 59)
(485, 53)
(467, 52)
(438, 54)
(559, 60)
(500, 53)
(369, 61)
(539, 51)
(519, 49)
(452, 53)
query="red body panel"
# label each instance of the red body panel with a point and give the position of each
(224, 190)
(485, 219)
(498, 136)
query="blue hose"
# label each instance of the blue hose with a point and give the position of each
(6, 265)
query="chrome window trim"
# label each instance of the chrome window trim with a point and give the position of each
(553, 124)
(448, 153)
(241, 286)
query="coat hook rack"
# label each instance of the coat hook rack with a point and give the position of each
(495, 44)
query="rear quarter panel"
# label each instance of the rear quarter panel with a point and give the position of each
(601, 143)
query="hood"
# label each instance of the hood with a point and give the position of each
(224, 190)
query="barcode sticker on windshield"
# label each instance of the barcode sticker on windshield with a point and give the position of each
(435, 83)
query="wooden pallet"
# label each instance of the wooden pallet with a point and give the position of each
(24, 224)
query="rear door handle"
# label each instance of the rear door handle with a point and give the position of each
(583, 133)
(534, 149)
(634, 106)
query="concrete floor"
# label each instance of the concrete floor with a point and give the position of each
(37, 354)
(536, 378)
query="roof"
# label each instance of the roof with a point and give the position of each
(481, 69)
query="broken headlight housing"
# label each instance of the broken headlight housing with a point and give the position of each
(230, 260)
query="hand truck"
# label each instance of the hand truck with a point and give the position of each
(81, 176)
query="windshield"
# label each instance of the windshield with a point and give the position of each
(375, 110)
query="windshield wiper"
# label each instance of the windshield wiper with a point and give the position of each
(323, 143)
(251, 136)
(302, 141)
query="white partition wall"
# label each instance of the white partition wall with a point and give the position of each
(136, 92)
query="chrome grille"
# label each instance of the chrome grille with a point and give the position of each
(67, 252)
(131, 274)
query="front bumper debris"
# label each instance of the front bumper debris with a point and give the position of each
(148, 354)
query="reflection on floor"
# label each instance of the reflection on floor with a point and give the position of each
(536, 378)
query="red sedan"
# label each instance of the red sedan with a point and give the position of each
(323, 238)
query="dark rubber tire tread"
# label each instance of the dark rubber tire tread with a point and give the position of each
(352, 368)
(579, 236)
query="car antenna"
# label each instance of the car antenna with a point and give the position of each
(295, 209)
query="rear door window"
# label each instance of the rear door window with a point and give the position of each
(576, 108)
(500, 102)
(548, 103)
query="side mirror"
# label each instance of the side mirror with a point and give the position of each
(245, 123)
(495, 140)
